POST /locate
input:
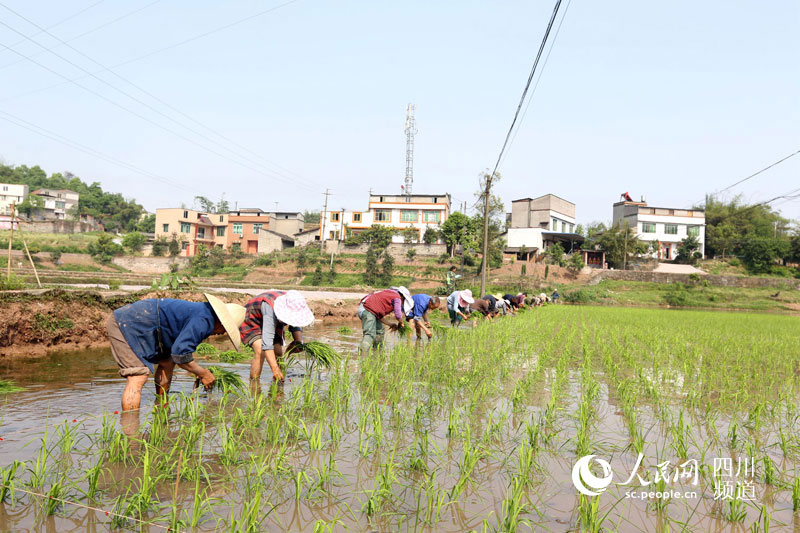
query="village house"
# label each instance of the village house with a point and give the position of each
(58, 204)
(537, 223)
(398, 211)
(664, 227)
(11, 193)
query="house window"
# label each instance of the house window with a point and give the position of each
(380, 199)
(335, 217)
(237, 228)
(60, 205)
(186, 214)
(407, 215)
(221, 231)
(257, 228)
(201, 233)
(435, 200)
(431, 216)
(184, 245)
(383, 215)
(554, 225)
(5, 187)
(185, 227)
(222, 218)
(165, 228)
(694, 231)
(356, 217)
(648, 227)
(236, 246)
(671, 229)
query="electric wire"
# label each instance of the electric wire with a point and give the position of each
(135, 113)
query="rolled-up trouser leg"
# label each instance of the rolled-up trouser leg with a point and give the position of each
(129, 364)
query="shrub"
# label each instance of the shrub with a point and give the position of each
(430, 236)
(331, 275)
(160, 247)
(575, 263)
(113, 284)
(677, 295)
(264, 260)
(174, 246)
(49, 323)
(580, 296)
(316, 280)
(734, 262)
(411, 254)
(55, 256)
(444, 258)
(104, 248)
(387, 269)
(134, 241)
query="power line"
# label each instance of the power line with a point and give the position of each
(22, 123)
(139, 115)
(165, 48)
(87, 32)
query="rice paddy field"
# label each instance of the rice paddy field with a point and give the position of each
(691, 416)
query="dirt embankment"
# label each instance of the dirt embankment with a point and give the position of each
(35, 323)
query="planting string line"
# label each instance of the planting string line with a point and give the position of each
(76, 504)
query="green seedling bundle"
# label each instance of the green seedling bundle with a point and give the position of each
(477, 430)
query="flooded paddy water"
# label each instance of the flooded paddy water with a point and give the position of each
(480, 429)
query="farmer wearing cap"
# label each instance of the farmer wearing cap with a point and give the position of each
(154, 335)
(418, 317)
(458, 306)
(267, 316)
(374, 311)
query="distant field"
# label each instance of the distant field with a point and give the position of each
(48, 242)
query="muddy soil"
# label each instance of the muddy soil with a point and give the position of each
(32, 325)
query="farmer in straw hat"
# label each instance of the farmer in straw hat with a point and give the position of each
(154, 335)
(374, 311)
(458, 306)
(267, 316)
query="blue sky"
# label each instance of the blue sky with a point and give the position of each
(669, 100)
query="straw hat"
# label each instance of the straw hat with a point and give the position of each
(291, 308)
(408, 302)
(230, 316)
(465, 296)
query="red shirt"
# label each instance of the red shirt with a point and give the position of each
(381, 303)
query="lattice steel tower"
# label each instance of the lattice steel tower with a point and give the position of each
(411, 130)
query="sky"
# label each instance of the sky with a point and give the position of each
(170, 99)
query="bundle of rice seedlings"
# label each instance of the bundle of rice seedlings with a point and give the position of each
(226, 380)
(246, 349)
(321, 352)
(404, 330)
(7, 387)
(205, 348)
(344, 330)
(438, 327)
(232, 356)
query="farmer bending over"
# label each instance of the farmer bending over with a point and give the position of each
(483, 307)
(458, 306)
(166, 332)
(374, 311)
(267, 316)
(418, 317)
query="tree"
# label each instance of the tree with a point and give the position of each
(759, 254)
(147, 224)
(591, 232)
(311, 217)
(331, 274)
(134, 241)
(458, 229)
(687, 249)
(160, 246)
(377, 236)
(430, 236)
(729, 224)
(620, 244)
(371, 267)
(410, 235)
(575, 263)
(411, 254)
(174, 246)
(316, 279)
(387, 269)
(30, 203)
(555, 253)
(104, 248)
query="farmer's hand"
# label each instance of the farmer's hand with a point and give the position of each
(208, 380)
(277, 374)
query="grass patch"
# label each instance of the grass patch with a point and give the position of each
(50, 323)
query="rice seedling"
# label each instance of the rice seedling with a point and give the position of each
(8, 386)
(344, 330)
(795, 494)
(7, 480)
(232, 356)
(206, 349)
(227, 381)
(320, 352)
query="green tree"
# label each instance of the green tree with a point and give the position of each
(459, 229)
(591, 232)
(331, 274)
(377, 235)
(371, 267)
(687, 249)
(134, 241)
(311, 217)
(30, 203)
(104, 248)
(575, 263)
(620, 245)
(316, 280)
(430, 236)
(387, 269)
(174, 246)
(555, 253)
(146, 224)
(411, 253)
(160, 246)
(410, 235)
(729, 224)
(759, 254)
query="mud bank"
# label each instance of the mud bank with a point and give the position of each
(34, 323)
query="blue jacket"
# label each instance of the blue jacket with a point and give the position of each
(421, 302)
(158, 329)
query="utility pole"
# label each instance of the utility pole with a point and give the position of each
(339, 240)
(625, 249)
(323, 216)
(486, 197)
(10, 240)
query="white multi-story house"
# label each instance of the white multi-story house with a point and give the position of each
(11, 193)
(57, 202)
(398, 211)
(536, 223)
(664, 227)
